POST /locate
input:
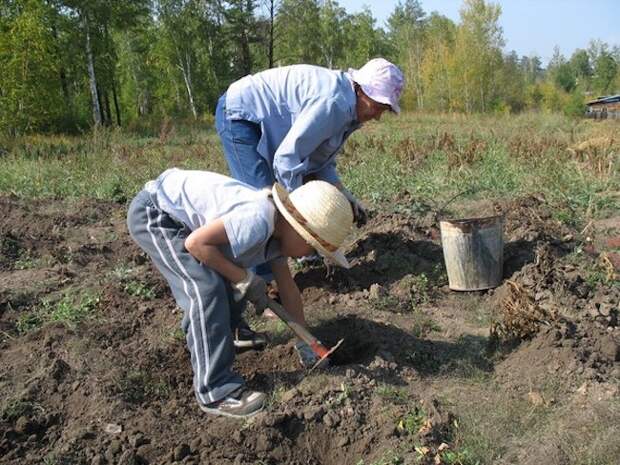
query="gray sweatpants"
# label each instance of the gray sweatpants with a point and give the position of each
(203, 294)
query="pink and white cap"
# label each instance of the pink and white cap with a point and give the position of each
(381, 80)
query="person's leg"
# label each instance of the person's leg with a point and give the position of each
(198, 290)
(239, 140)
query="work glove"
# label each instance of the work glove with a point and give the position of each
(254, 289)
(307, 357)
(360, 217)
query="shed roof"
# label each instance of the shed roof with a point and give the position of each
(607, 99)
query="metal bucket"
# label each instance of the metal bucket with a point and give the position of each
(473, 250)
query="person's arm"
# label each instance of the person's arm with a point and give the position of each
(203, 244)
(289, 292)
(314, 124)
(329, 174)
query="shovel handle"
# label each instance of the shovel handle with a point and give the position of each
(298, 329)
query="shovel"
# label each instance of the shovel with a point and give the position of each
(319, 349)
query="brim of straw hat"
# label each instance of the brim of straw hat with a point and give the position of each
(280, 197)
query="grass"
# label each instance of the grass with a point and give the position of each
(14, 409)
(392, 394)
(132, 285)
(69, 309)
(434, 157)
(136, 387)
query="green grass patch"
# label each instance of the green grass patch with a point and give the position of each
(136, 387)
(69, 309)
(392, 394)
(132, 285)
(14, 409)
(433, 157)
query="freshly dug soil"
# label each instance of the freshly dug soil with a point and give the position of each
(116, 386)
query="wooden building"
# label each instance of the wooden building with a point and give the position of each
(604, 107)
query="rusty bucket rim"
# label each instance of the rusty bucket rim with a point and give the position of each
(478, 219)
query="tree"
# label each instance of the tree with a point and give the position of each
(580, 64)
(30, 94)
(269, 28)
(532, 68)
(299, 26)
(605, 70)
(241, 30)
(332, 40)
(406, 31)
(478, 55)
(363, 40)
(561, 72)
(437, 62)
(512, 82)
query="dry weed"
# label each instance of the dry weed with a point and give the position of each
(166, 131)
(532, 149)
(521, 315)
(409, 152)
(598, 154)
(466, 154)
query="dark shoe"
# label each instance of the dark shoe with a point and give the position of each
(245, 338)
(241, 403)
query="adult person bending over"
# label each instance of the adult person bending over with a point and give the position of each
(287, 124)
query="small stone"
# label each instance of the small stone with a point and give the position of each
(98, 460)
(263, 443)
(23, 425)
(237, 437)
(127, 458)
(113, 449)
(137, 440)
(350, 373)
(239, 459)
(181, 451)
(313, 413)
(332, 299)
(195, 444)
(343, 441)
(605, 310)
(535, 398)
(113, 428)
(376, 291)
(610, 348)
(290, 395)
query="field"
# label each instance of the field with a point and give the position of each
(93, 365)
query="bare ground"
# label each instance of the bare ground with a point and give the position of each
(525, 374)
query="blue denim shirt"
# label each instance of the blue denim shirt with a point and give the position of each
(305, 112)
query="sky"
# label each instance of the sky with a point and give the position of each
(530, 26)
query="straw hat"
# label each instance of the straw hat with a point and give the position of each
(320, 213)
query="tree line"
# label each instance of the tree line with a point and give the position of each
(68, 65)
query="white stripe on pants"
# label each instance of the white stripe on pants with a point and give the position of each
(199, 291)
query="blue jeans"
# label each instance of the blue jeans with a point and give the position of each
(239, 140)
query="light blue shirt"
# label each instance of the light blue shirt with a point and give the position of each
(305, 112)
(198, 197)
